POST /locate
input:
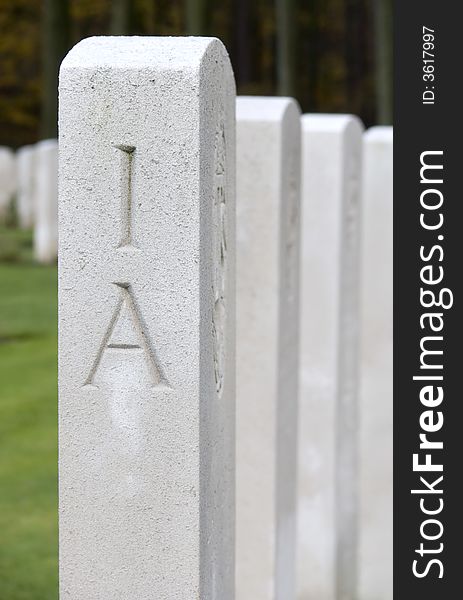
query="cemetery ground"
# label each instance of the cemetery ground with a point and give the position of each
(28, 423)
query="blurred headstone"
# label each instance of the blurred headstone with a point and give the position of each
(376, 401)
(146, 291)
(46, 201)
(7, 180)
(268, 207)
(25, 198)
(328, 477)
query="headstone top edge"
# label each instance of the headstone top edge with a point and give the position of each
(379, 133)
(49, 143)
(150, 52)
(265, 108)
(26, 149)
(330, 122)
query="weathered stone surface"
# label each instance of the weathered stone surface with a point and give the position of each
(328, 479)
(376, 401)
(268, 205)
(146, 291)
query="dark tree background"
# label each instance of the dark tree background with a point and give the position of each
(332, 55)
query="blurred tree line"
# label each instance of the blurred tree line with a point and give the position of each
(332, 55)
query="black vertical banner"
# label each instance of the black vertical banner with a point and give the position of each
(428, 276)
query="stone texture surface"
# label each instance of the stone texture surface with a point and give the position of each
(268, 205)
(46, 201)
(327, 528)
(146, 320)
(7, 180)
(25, 163)
(376, 401)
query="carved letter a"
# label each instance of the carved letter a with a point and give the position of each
(126, 334)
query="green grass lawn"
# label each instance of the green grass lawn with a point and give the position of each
(28, 424)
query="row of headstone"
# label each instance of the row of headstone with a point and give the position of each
(376, 394)
(7, 180)
(328, 472)
(151, 479)
(45, 204)
(267, 278)
(26, 176)
(30, 179)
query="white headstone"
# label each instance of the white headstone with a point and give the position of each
(268, 204)
(376, 481)
(328, 478)
(25, 163)
(146, 291)
(46, 201)
(7, 180)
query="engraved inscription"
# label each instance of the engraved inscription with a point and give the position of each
(125, 346)
(125, 185)
(220, 258)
